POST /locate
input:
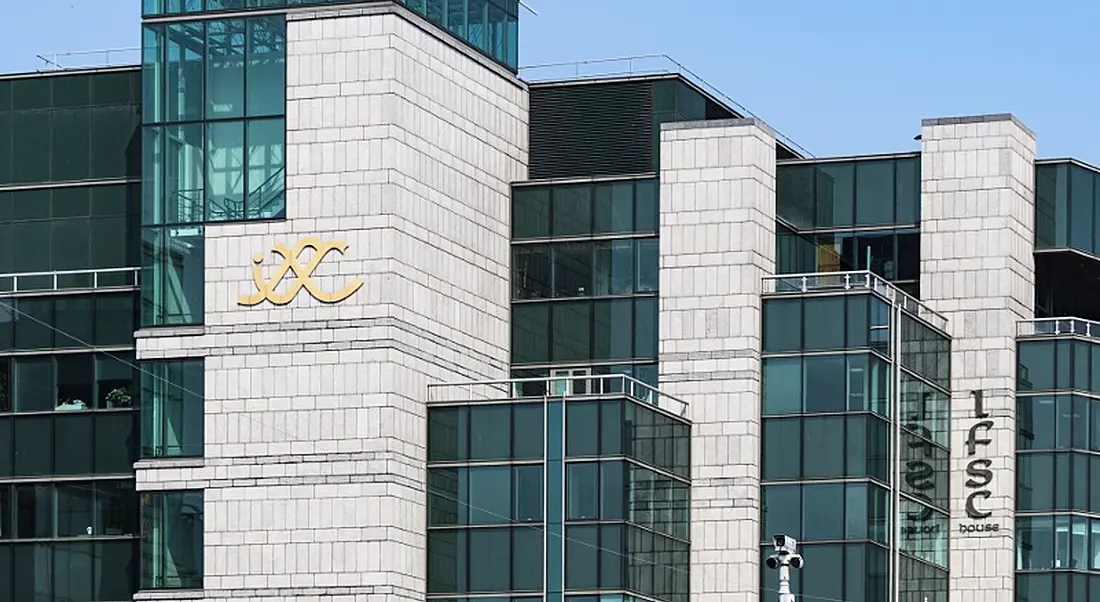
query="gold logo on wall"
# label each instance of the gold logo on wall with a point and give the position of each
(303, 274)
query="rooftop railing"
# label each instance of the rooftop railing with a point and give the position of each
(844, 281)
(639, 66)
(68, 280)
(1046, 327)
(89, 59)
(571, 387)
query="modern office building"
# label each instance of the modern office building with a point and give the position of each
(329, 300)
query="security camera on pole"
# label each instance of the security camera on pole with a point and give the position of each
(786, 557)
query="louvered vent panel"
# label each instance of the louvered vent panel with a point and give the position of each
(591, 130)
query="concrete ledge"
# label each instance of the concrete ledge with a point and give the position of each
(717, 123)
(965, 119)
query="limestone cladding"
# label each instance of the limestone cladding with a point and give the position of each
(401, 143)
(977, 268)
(717, 245)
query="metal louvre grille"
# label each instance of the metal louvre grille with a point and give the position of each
(591, 130)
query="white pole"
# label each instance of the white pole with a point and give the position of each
(785, 594)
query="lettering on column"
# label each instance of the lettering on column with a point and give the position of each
(979, 471)
(920, 474)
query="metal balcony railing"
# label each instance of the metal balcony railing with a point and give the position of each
(578, 386)
(1046, 327)
(89, 59)
(843, 281)
(68, 280)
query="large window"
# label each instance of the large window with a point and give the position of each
(490, 26)
(68, 444)
(71, 228)
(172, 408)
(602, 208)
(822, 384)
(826, 447)
(583, 331)
(214, 112)
(825, 323)
(1067, 207)
(67, 382)
(844, 194)
(69, 127)
(620, 266)
(67, 321)
(173, 277)
(171, 540)
(837, 571)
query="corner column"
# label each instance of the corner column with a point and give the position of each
(977, 268)
(717, 245)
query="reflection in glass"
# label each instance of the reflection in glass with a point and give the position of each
(171, 538)
(172, 276)
(172, 408)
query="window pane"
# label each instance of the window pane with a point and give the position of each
(648, 257)
(527, 560)
(782, 325)
(173, 276)
(782, 385)
(582, 428)
(782, 449)
(647, 210)
(152, 72)
(613, 329)
(172, 408)
(531, 272)
(531, 332)
(225, 69)
(116, 508)
(184, 71)
(184, 176)
(823, 512)
(582, 557)
(225, 171)
(823, 455)
(582, 487)
(114, 319)
(32, 324)
(822, 321)
(530, 212)
(73, 444)
(645, 327)
(825, 383)
(908, 190)
(572, 210)
(835, 194)
(76, 321)
(490, 432)
(34, 514)
(528, 436)
(267, 66)
(874, 193)
(266, 177)
(115, 570)
(572, 269)
(614, 207)
(490, 495)
(75, 514)
(614, 267)
(34, 438)
(527, 487)
(782, 511)
(492, 550)
(115, 442)
(1081, 208)
(1036, 370)
(171, 539)
(572, 331)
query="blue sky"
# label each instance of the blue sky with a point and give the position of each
(838, 77)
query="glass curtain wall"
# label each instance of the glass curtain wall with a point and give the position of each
(830, 383)
(858, 214)
(171, 540)
(584, 279)
(516, 487)
(213, 147)
(1058, 470)
(489, 26)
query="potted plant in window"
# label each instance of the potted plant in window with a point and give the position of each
(120, 398)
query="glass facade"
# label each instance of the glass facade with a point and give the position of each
(858, 214)
(549, 497)
(839, 372)
(69, 203)
(584, 279)
(214, 139)
(489, 26)
(172, 408)
(171, 540)
(1057, 445)
(1067, 207)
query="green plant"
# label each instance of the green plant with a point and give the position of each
(120, 398)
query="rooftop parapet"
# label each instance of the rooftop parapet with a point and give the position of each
(823, 282)
(567, 387)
